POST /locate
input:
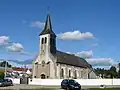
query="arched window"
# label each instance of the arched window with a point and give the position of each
(69, 73)
(42, 40)
(45, 40)
(62, 73)
(75, 74)
(42, 76)
(36, 63)
(43, 63)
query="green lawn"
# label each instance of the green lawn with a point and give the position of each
(82, 89)
(104, 89)
(59, 89)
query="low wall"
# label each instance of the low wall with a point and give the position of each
(45, 81)
(94, 82)
(88, 82)
(116, 81)
(15, 80)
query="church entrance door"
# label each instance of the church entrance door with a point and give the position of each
(42, 76)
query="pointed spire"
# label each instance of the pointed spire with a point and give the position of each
(48, 23)
(48, 27)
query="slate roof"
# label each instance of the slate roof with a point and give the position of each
(48, 27)
(71, 59)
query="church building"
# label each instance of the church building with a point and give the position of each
(53, 64)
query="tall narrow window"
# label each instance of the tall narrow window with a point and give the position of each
(75, 74)
(62, 73)
(42, 40)
(45, 40)
(51, 41)
(82, 74)
(69, 73)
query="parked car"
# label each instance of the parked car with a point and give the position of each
(70, 84)
(6, 82)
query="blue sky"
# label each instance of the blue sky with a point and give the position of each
(95, 22)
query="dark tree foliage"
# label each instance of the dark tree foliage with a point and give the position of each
(110, 73)
(119, 73)
(2, 64)
(119, 70)
(113, 72)
(1, 75)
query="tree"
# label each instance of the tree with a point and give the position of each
(113, 72)
(2, 64)
(119, 73)
(119, 70)
(2, 75)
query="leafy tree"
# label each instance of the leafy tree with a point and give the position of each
(2, 64)
(119, 70)
(119, 73)
(1, 75)
(113, 72)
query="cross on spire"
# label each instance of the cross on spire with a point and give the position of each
(48, 10)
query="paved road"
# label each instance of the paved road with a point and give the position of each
(28, 87)
(23, 86)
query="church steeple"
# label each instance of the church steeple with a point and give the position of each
(48, 27)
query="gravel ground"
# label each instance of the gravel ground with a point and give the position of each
(38, 87)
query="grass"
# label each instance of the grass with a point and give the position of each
(82, 89)
(59, 89)
(104, 89)
(33, 89)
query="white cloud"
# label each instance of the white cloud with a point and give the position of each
(75, 35)
(18, 48)
(15, 47)
(37, 24)
(11, 46)
(69, 52)
(96, 62)
(85, 54)
(101, 61)
(25, 53)
(4, 40)
(105, 67)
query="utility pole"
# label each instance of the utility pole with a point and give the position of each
(24, 74)
(5, 68)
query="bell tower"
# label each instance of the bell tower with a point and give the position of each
(44, 66)
(47, 40)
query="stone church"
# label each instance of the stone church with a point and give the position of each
(53, 64)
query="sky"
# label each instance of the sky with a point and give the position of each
(86, 28)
